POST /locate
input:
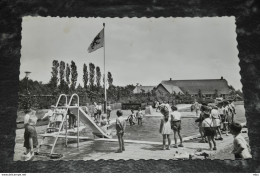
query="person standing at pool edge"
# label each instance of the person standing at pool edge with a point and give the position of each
(176, 125)
(120, 130)
(165, 126)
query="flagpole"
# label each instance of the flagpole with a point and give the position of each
(105, 102)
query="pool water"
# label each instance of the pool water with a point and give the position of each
(149, 130)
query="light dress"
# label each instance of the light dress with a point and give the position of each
(166, 126)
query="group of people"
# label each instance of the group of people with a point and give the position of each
(213, 120)
(56, 116)
(171, 121)
(97, 112)
(135, 117)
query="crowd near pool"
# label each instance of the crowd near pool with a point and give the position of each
(149, 130)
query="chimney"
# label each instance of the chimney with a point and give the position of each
(221, 77)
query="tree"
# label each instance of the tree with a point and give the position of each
(62, 81)
(67, 78)
(53, 84)
(98, 77)
(109, 79)
(91, 75)
(85, 76)
(74, 75)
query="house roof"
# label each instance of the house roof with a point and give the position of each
(207, 86)
(138, 89)
(171, 88)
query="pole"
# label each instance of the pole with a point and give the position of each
(105, 102)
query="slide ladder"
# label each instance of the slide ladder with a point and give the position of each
(52, 131)
(56, 133)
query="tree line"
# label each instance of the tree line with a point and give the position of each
(64, 78)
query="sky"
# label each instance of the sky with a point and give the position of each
(137, 50)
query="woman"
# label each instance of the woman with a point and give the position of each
(165, 126)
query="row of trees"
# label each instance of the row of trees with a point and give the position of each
(64, 77)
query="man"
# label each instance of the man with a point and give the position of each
(120, 130)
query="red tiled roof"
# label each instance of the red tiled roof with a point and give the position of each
(207, 86)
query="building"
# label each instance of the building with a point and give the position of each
(207, 87)
(166, 89)
(144, 89)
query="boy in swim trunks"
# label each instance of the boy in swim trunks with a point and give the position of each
(176, 125)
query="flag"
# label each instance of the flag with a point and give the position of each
(97, 43)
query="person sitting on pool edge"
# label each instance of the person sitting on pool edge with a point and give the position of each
(176, 125)
(120, 130)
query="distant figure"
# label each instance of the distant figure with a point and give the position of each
(232, 109)
(120, 130)
(103, 124)
(139, 116)
(50, 116)
(228, 116)
(197, 108)
(109, 109)
(131, 118)
(99, 111)
(165, 126)
(86, 109)
(157, 105)
(241, 148)
(176, 125)
(200, 120)
(221, 115)
(95, 112)
(209, 130)
(72, 119)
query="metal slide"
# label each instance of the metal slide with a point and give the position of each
(87, 120)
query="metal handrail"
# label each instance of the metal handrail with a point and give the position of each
(71, 98)
(61, 95)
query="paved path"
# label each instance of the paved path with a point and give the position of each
(105, 149)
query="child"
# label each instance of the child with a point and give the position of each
(241, 148)
(50, 115)
(176, 125)
(109, 109)
(209, 130)
(165, 126)
(216, 122)
(131, 118)
(120, 130)
(200, 120)
(30, 137)
(103, 124)
(139, 116)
